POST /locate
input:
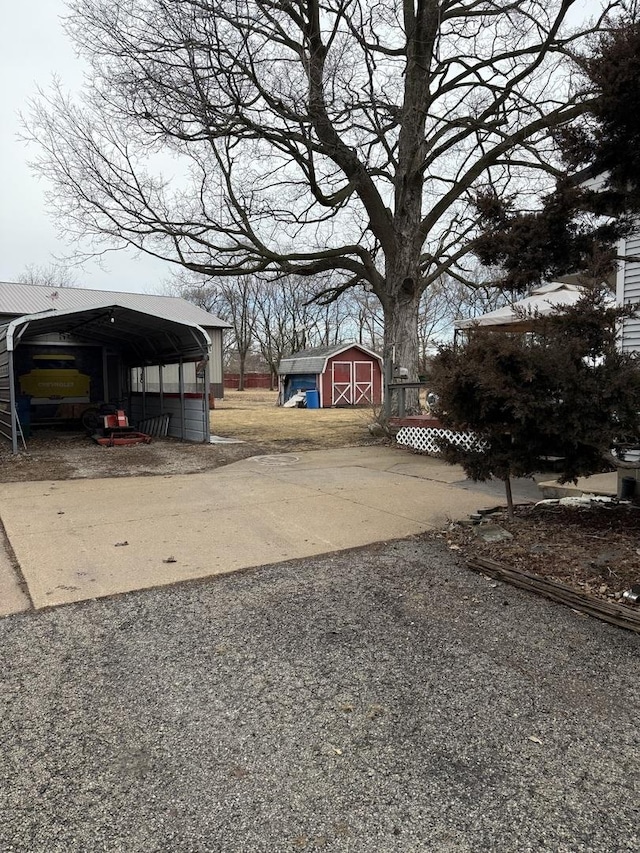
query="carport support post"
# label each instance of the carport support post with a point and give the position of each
(206, 422)
(181, 384)
(12, 404)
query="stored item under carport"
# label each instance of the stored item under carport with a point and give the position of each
(116, 432)
(632, 596)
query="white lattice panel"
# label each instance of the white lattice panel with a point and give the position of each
(425, 439)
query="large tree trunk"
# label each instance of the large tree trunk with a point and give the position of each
(241, 371)
(401, 343)
(402, 298)
(401, 335)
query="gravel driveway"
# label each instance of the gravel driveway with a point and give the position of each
(378, 700)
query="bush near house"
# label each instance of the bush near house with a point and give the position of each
(563, 389)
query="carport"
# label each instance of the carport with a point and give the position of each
(128, 341)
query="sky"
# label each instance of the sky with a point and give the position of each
(33, 48)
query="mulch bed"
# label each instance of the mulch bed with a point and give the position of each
(595, 550)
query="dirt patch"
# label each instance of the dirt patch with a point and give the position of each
(66, 456)
(250, 416)
(596, 550)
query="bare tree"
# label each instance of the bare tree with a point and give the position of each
(51, 275)
(233, 300)
(203, 293)
(347, 136)
(271, 330)
(272, 318)
(334, 323)
(239, 297)
(434, 318)
(367, 315)
(287, 320)
(448, 300)
(276, 330)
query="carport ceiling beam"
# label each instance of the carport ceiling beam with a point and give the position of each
(127, 334)
(174, 342)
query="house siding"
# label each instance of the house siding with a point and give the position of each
(629, 293)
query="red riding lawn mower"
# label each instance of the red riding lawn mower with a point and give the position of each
(109, 426)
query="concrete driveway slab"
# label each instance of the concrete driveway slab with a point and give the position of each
(82, 539)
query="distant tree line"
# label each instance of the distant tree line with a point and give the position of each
(49, 275)
(271, 319)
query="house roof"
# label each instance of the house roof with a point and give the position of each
(513, 317)
(315, 360)
(17, 300)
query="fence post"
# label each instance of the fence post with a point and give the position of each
(388, 379)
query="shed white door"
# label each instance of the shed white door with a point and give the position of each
(351, 383)
(342, 383)
(363, 382)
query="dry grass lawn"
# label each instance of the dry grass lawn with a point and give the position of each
(253, 416)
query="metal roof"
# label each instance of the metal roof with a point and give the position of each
(314, 360)
(16, 300)
(141, 337)
(543, 301)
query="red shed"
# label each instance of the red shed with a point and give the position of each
(343, 374)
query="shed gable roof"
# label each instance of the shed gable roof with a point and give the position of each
(315, 360)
